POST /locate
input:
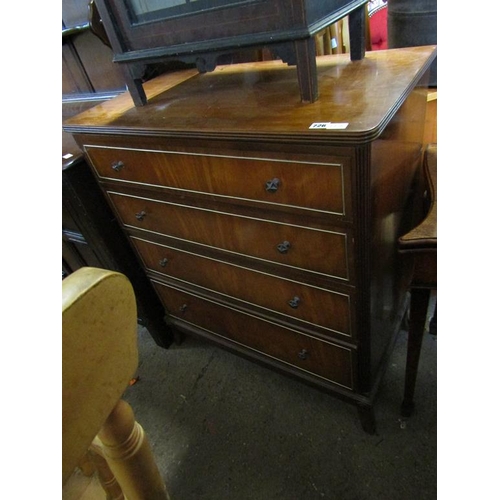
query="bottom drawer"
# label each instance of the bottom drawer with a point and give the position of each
(324, 359)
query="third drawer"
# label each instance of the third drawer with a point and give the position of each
(330, 311)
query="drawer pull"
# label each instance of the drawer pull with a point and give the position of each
(303, 354)
(183, 308)
(272, 185)
(284, 247)
(294, 303)
(163, 262)
(140, 215)
(117, 166)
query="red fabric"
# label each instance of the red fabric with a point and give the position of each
(378, 29)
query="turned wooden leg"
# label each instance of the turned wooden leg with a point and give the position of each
(129, 456)
(106, 477)
(418, 315)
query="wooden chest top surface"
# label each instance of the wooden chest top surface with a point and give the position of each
(260, 101)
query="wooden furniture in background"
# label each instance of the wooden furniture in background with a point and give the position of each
(100, 357)
(91, 235)
(268, 226)
(87, 64)
(420, 247)
(200, 32)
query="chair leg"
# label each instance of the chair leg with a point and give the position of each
(106, 477)
(418, 315)
(129, 456)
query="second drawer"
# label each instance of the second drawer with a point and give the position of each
(320, 251)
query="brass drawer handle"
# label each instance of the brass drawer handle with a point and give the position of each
(163, 262)
(303, 354)
(294, 303)
(284, 247)
(117, 166)
(140, 215)
(272, 185)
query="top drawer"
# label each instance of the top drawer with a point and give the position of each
(310, 182)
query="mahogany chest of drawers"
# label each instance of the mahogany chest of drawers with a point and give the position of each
(267, 225)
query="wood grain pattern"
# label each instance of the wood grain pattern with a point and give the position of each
(232, 176)
(314, 250)
(316, 307)
(324, 359)
(202, 210)
(260, 100)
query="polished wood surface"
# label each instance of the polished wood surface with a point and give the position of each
(318, 251)
(258, 100)
(316, 307)
(246, 178)
(328, 360)
(190, 173)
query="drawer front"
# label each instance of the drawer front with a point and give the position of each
(310, 185)
(314, 306)
(319, 251)
(324, 359)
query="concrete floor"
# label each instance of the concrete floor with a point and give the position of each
(223, 428)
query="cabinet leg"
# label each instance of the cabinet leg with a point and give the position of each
(129, 456)
(418, 315)
(133, 79)
(367, 417)
(357, 33)
(305, 52)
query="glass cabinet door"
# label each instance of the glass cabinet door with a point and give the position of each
(144, 11)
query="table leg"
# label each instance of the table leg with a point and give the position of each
(418, 315)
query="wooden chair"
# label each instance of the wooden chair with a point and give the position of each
(420, 245)
(100, 357)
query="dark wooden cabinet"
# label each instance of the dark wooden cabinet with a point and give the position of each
(202, 31)
(266, 225)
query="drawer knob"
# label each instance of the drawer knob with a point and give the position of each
(163, 262)
(272, 185)
(284, 247)
(183, 308)
(303, 354)
(117, 166)
(140, 215)
(294, 303)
